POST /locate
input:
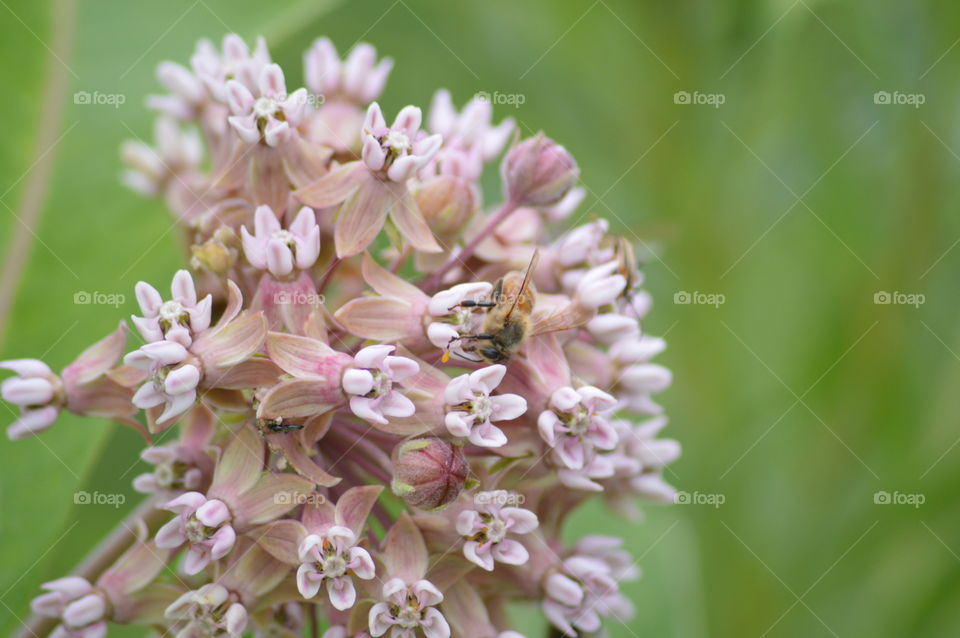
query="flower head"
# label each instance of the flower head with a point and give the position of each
(399, 150)
(34, 390)
(171, 378)
(178, 320)
(332, 557)
(211, 610)
(267, 113)
(486, 528)
(472, 409)
(359, 78)
(575, 427)
(370, 384)
(203, 524)
(280, 250)
(82, 609)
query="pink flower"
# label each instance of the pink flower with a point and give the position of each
(575, 428)
(280, 251)
(400, 150)
(638, 378)
(486, 529)
(330, 557)
(358, 79)
(472, 410)
(178, 320)
(81, 609)
(408, 601)
(371, 381)
(405, 608)
(582, 592)
(151, 170)
(236, 63)
(202, 523)
(470, 128)
(267, 113)
(325, 545)
(375, 188)
(34, 390)
(172, 380)
(210, 610)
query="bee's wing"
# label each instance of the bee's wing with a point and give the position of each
(566, 318)
(526, 282)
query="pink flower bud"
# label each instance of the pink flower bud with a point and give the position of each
(538, 172)
(447, 203)
(428, 473)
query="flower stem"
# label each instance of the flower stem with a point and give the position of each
(433, 282)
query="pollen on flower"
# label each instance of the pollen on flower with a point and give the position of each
(317, 460)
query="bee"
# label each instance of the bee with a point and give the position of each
(626, 264)
(508, 320)
(277, 426)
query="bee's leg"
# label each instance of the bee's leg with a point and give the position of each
(473, 304)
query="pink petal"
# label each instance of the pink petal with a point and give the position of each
(32, 422)
(511, 552)
(148, 298)
(359, 382)
(223, 541)
(85, 610)
(486, 379)
(408, 121)
(171, 535)
(427, 594)
(507, 407)
(373, 356)
(183, 379)
(478, 554)
(565, 399)
(341, 592)
(488, 435)
(564, 590)
(458, 423)
(434, 625)
(519, 520)
(183, 289)
(396, 405)
(400, 368)
(29, 391)
(279, 258)
(309, 581)
(361, 564)
(367, 410)
(213, 513)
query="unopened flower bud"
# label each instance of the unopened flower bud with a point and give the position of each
(429, 472)
(218, 254)
(538, 172)
(447, 203)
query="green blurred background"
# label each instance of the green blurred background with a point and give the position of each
(798, 200)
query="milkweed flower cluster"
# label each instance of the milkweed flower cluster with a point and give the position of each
(386, 397)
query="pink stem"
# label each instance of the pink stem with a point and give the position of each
(436, 278)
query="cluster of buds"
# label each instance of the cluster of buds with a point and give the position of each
(388, 397)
